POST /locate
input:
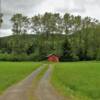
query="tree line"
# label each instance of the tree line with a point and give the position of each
(72, 38)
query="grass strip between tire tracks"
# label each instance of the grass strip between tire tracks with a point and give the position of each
(35, 82)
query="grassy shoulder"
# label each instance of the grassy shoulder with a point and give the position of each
(13, 72)
(78, 80)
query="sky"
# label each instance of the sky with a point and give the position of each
(33, 7)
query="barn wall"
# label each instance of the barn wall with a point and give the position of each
(53, 59)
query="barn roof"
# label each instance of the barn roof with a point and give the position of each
(52, 55)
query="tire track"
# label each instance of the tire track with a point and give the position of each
(44, 90)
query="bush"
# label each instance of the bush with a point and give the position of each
(20, 57)
(14, 57)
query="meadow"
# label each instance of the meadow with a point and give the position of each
(77, 80)
(13, 72)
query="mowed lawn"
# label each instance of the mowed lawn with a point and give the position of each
(13, 72)
(78, 80)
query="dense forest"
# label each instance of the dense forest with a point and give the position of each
(72, 38)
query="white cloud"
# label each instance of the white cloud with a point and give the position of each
(5, 32)
(60, 6)
(49, 6)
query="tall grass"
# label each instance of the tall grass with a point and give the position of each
(13, 72)
(80, 81)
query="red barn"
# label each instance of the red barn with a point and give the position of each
(53, 58)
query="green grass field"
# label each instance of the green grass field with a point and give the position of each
(78, 80)
(13, 72)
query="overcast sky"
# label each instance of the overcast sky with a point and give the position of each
(31, 7)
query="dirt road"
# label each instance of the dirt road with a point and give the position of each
(24, 90)
(44, 90)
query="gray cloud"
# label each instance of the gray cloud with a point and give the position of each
(31, 7)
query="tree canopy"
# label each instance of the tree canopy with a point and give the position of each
(71, 37)
(1, 20)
